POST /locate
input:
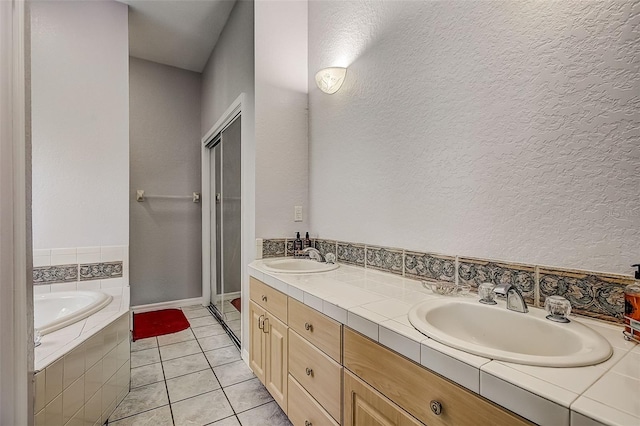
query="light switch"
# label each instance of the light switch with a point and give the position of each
(297, 213)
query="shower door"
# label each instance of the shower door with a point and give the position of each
(226, 191)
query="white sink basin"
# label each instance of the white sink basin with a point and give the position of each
(298, 266)
(497, 333)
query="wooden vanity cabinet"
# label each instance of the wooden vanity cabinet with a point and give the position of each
(268, 333)
(315, 348)
(304, 410)
(325, 374)
(363, 405)
(425, 395)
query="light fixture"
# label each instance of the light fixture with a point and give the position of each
(329, 80)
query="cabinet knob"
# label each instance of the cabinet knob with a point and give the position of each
(436, 407)
(309, 371)
(308, 326)
(307, 423)
(264, 298)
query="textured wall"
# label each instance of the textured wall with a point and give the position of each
(230, 72)
(507, 130)
(281, 117)
(80, 116)
(165, 249)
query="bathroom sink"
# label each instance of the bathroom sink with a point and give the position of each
(298, 266)
(498, 333)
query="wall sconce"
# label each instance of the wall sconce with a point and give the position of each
(329, 80)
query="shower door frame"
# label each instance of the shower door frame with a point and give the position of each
(208, 210)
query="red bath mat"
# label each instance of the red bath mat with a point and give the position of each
(236, 304)
(157, 323)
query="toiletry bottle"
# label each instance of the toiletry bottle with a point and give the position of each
(297, 245)
(632, 306)
(307, 241)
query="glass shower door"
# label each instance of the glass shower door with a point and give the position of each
(226, 191)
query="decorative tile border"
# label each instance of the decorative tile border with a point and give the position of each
(100, 271)
(477, 271)
(273, 247)
(55, 274)
(352, 254)
(429, 266)
(591, 294)
(289, 245)
(599, 296)
(384, 259)
(326, 246)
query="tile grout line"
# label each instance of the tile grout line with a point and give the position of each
(166, 387)
(221, 387)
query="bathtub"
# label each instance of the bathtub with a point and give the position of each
(53, 311)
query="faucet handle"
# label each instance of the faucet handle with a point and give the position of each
(558, 308)
(487, 296)
(330, 258)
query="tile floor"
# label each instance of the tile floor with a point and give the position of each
(194, 377)
(230, 314)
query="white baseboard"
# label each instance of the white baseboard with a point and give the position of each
(245, 356)
(229, 296)
(167, 305)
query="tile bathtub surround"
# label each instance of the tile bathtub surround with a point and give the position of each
(429, 266)
(100, 271)
(55, 274)
(74, 265)
(599, 296)
(477, 271)
(385, 259)
(88, 382)
(69, 273)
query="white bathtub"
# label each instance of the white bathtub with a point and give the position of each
(53, 311)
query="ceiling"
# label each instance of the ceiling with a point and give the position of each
(180, 33)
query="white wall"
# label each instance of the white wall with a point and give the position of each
(505, 130)
(80, 89)
(16, 292)
(166, 237)
(229, 73)
(281, 117)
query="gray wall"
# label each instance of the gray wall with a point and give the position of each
(165, 243)
(502, 130)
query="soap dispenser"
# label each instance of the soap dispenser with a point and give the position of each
(297, 245)
(307, 241)
(632, 308)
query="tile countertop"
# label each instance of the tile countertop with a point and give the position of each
(56, 344)
(376, 304)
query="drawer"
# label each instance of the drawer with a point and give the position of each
(270, 299)
(304, 410)
(317, 328)
(363, 405)
(316, 372)
(412, 387)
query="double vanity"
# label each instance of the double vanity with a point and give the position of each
(337, 344)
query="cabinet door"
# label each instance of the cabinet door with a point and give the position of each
(277, 360)
(257, 347)
(364, 406)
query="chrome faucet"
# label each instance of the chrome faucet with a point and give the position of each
(314, 254)
(515, 300)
